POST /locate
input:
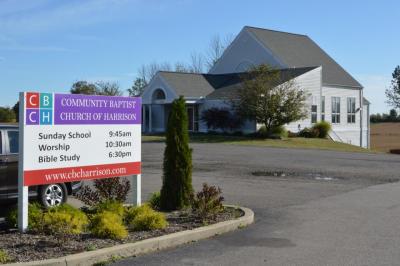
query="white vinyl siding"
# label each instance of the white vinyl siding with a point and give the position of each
(344, 132)
(245, 51)
(335, 110)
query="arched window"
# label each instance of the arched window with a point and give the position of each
(158, 94)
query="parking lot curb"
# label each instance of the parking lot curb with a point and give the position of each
(147, 245)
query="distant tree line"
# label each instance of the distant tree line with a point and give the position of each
(7, 114)
(198, 63)
(10, 115)
(392, 116)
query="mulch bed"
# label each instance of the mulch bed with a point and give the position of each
(31, 247)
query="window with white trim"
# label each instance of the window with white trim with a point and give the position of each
(322, 108)
(335, 110)
(313, 113)
(351, 110)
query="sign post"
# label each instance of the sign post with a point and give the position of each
(22, 190)
(71, 137)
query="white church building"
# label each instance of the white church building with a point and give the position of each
(334, 95)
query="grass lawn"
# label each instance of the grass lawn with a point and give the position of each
(300, 143)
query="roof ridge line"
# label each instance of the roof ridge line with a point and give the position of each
(286, 32)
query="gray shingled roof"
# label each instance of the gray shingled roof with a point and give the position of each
(295, 50)
(188, 84)
(217, 86)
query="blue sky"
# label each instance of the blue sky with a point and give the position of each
(46, 45)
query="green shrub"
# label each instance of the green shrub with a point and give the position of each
(279, 131)
(208, 202)
(132, 212)
(154, 200)
(275, 132)
(64, 220)
(4, 258)
(111, 206)
(35, 217)
(177, 166)
(108, 225)
(323, 129)
(144, 218)
(309, 133)
(12, 218)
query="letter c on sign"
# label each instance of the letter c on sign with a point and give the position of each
(32, 100)
(32, 120)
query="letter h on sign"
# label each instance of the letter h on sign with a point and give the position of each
(39, 108)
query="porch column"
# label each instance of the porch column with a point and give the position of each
(150, 120)
(144, 118)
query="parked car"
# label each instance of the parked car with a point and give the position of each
(48, 195)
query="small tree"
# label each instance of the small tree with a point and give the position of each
(393, 115)
(269, 99)
(99, 88)
(7, 114)
(137, 87)
(83, 87)
(108, 88)
(393, 92)
(16, 111)
(177, 169)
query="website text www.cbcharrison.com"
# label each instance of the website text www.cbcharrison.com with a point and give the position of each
(84, 174)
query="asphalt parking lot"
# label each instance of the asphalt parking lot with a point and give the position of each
(312, 207)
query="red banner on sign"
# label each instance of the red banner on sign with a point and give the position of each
(71, 174)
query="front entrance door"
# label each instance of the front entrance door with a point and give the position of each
(190, 112)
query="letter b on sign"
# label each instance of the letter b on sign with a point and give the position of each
(46, 100)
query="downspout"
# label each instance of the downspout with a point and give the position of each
(368, 129)
(361, 118)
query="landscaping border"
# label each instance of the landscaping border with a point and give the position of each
(147, 245)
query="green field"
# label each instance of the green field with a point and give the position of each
(300, 143)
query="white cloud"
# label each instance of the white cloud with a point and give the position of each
(374, 91)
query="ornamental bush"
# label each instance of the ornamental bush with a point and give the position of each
(64, 220)
(275, 132)
(108, 224)
(35, 217)
(177, 167)
(111, 206)
(207, 203)
(322, 128)
(4, 258)
(144, 218)
(105, 189)
(154, 200)
(309, 133)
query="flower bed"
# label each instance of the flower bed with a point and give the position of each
(39, 246)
